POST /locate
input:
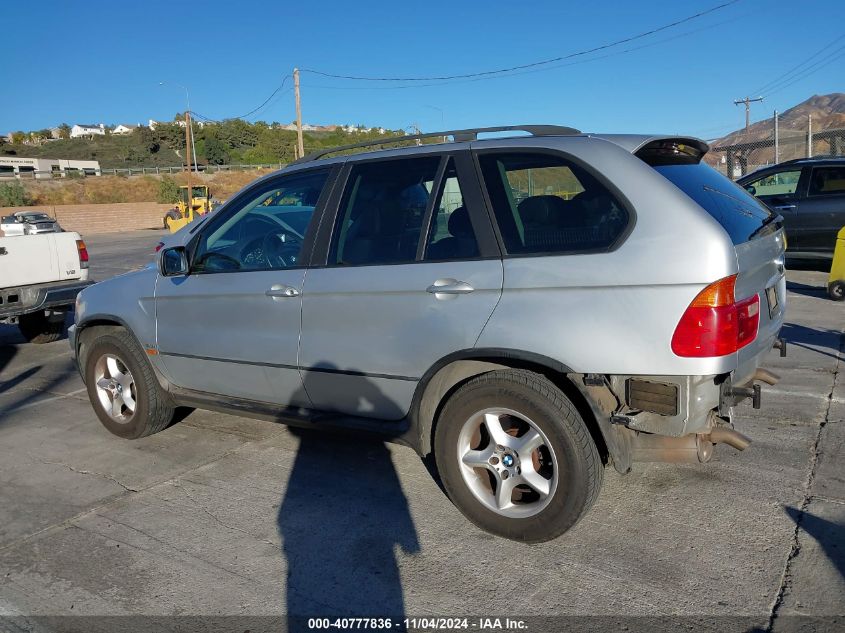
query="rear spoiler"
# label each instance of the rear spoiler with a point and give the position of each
(672, 151)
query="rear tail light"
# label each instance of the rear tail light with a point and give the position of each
(83, 253)
(715, 323)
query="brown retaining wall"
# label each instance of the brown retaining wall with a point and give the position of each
(102, 218)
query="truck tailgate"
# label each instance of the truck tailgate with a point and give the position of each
(34, 259)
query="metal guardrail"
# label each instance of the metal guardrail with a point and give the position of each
(132, 171)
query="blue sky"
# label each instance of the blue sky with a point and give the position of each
(102, 61)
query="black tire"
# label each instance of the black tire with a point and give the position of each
(38, 328)
(171, 215)
(153, 409)
(579, 467)
(836, 290)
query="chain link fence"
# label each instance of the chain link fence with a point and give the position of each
(741, 154)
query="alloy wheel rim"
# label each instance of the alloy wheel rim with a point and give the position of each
(115, 388)
(507, 462)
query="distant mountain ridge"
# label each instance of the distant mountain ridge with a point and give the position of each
(827, 111)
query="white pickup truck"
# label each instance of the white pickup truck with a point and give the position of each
(40, 276)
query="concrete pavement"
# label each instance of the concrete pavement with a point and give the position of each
(220, 515)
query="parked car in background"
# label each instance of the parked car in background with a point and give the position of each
(810, 195)
(526, 309)
(28, 223)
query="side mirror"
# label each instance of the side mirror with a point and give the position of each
(173, 262)
(751, 189)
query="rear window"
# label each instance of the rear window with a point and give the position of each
(740, 214)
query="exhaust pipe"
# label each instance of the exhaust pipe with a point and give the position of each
(724, 435)
(695, 448)
(689, 449)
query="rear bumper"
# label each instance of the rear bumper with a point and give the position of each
(25, 299)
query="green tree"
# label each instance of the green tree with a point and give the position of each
(18, 137)
(13, 194)
(146, 139)
(64, 131)
(170, 135)
(216, 152)
(168, 190)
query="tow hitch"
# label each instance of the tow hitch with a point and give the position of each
(734, 394)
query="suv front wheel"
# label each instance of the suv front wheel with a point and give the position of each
(123, 388)
(516, 457)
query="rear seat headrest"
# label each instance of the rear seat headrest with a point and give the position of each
(541, 209)
(459, 223)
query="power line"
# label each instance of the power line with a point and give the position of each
(266, 101)
(535, 70)
(773, 84)
(811, 70)
(498, 71)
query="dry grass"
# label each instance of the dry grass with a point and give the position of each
(110, 189)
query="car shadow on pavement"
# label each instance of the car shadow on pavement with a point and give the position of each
(829, 535)
(344, 521)
(803, 336)
(806, 290)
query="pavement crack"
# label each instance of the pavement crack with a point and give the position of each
(83, 471)
(795, 544)
(218, 520)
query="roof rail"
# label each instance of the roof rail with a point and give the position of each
(470, 134)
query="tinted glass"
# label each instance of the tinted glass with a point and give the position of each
(545, 204)
(450, 235)
(782, 183)
(266, 230)
(381, 212)
(739, 213)
(826, 181)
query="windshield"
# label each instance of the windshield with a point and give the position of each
(36, 217)
(740, 214)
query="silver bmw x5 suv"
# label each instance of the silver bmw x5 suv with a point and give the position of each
(526, 310)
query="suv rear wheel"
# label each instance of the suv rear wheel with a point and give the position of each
(516, 457)
(123, 388)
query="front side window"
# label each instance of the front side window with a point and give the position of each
(827, 181)
(546, 204)
(382, 211)
(267, 229)
(782, 183)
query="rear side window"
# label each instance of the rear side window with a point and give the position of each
(827, 181)
(382, 211)
(547, 204)
(739, 213)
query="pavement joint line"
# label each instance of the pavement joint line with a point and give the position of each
(795, 546)
(70, 521)
(46, 400)
(808, 394)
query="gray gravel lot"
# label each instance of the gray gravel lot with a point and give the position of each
(219, 515)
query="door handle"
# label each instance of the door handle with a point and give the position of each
(281, 291)
(784, 207)
(449, 287)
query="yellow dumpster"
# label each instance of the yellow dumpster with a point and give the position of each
(836, 281)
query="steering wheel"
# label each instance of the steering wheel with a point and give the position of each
(272, 250)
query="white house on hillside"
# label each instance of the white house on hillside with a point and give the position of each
(125, 128)
(83, 129)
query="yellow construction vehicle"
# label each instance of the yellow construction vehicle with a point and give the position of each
(184, 212)
(836, 281)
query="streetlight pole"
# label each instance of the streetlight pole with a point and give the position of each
(189, 132)
(442, 118)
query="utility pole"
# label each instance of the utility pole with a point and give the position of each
(298, 113)
(188, 211)
(747, 101)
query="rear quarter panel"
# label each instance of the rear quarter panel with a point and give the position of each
(616, 312)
